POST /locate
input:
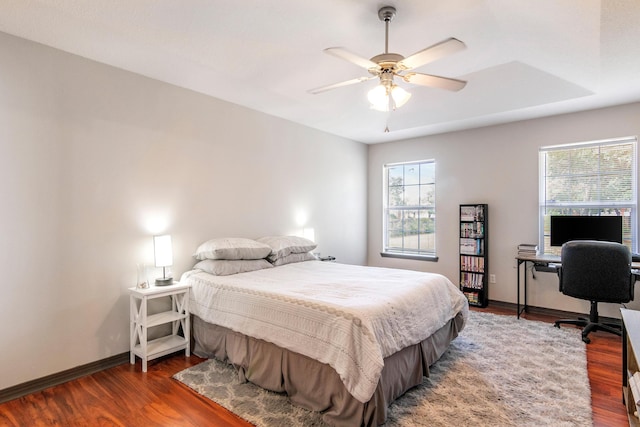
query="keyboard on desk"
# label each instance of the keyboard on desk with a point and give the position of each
(547, 267)
(635, 257)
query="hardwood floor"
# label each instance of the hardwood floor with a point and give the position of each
(123, 396)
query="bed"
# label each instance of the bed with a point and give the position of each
(343, 339)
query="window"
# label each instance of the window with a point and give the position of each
(410, 210)
(592, 178)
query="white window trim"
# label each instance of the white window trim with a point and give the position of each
(386, 253)
(633, 204)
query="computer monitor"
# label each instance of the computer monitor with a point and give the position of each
(570, 227)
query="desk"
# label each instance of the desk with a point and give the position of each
(546, 263)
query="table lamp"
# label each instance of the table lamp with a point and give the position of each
(163, 255)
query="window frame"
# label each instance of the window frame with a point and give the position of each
(544, 204)
(413, 254)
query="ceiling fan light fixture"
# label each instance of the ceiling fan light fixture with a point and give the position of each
(386, 98)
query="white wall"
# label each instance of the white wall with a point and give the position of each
(95, 160)
(497, 165)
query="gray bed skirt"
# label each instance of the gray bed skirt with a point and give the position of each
(316, 386)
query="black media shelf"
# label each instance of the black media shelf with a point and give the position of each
(474, 260)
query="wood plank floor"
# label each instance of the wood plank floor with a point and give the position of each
(123, 396)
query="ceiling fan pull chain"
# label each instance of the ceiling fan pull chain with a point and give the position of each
(386, 127)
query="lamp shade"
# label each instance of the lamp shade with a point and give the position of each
(378, 98)
(163, 252)
(386, 98)
(400, 96)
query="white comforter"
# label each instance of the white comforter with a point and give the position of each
(347, 316)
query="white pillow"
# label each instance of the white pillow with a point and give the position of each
(282, 246)
(291, 258)
(232, 248)
(224, 267)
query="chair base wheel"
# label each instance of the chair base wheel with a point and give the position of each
(589, 326)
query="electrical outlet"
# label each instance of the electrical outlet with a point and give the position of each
(492, 278)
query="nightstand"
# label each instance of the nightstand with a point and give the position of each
(140, 321)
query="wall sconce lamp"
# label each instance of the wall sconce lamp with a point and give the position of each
(163, 255)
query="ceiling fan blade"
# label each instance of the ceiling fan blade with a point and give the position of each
(337, 85)
(434, 81)
(432, 53)
(351, 57)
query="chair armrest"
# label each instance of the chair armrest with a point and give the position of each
(558, 269)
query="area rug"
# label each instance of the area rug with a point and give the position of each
(500, 371)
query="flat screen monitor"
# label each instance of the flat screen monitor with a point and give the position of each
(566, 228)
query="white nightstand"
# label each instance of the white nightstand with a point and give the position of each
(140, 322)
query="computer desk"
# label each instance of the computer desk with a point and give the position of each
(546, 263)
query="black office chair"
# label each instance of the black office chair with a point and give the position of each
(597, 272)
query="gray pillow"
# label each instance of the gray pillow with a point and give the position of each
(225, 267)
(291, 258)
(232, 248)
(282, 246)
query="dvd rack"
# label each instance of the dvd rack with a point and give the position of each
(474, 265)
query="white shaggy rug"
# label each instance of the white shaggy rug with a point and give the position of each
(500, 371)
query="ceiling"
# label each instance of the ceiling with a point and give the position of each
(524, 59)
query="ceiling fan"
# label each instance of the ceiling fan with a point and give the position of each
(387, 95)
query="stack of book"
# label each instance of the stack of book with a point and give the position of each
(527, 249)
(472, 246)
(472, 297)
(471, 263)
(471, 280)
